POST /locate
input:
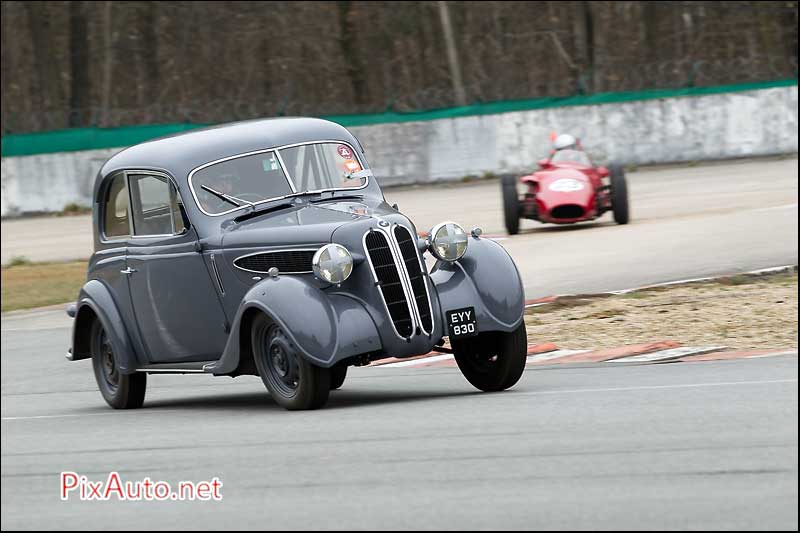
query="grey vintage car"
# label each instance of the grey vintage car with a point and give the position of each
(266, 247)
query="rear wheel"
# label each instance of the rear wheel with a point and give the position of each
(120, 391)
(510, 204)
(493, 361)
(619, 194)
(293, 382)
(338, 373)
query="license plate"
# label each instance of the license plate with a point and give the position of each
(461, 323)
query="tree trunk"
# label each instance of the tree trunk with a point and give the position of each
(354, 68)
(591, 74)
(108, 62)
(452, 55)
(49, 90)
(79, 65)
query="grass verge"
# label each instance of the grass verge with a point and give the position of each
(30, 285)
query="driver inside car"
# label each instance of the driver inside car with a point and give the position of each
(226, 183)
(568, 149)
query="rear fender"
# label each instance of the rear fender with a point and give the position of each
(95, 302)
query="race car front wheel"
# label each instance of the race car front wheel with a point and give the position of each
(492, 361)
(510, 204)
(619, 193)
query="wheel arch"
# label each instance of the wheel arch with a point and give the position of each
(82, 333)
(326, 328)
(485, 278)
(246, 364)
(95, 302)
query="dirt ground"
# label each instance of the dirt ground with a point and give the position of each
(739, 312)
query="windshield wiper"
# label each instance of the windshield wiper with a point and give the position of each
(263, 211)
(335, 198)
(227, 197)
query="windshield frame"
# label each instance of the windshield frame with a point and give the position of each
(284, 170)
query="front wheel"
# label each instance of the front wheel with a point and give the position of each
(293, 382)
(120, 391)
(493, 361)
(619, 194)
(510, 204)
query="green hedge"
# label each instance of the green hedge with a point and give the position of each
(95, 138)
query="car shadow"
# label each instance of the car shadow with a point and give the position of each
(339, 399)
(555, 228)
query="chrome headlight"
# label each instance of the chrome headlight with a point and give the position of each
(332, 263)
(448, 241)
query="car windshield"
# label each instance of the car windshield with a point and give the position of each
(263, 176)
(571, 156)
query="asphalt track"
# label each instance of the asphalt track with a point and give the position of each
(707, 445)
(687, 222)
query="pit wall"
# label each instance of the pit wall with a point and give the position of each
(722, 125)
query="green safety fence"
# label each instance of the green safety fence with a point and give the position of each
(76, 139)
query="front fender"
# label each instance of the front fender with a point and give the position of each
(95, 299)
(485, 278)
(325, 328)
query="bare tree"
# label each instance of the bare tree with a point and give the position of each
(67, 64)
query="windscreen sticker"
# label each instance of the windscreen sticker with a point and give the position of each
(269, 164)
(345, 152)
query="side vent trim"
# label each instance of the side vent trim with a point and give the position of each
(216, 274)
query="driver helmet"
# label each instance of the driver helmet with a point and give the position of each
(565, 140)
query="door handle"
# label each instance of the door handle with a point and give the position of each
(128, 270)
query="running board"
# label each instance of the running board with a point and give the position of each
(177, 368)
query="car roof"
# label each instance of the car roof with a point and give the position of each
(180, 153)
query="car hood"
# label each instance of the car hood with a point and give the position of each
(563, 186)
(304, 223)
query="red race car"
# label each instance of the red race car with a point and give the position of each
(568, 188)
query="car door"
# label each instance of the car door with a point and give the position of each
(178, 310)
(113, 231)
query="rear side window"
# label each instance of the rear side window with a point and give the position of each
(115, 209)
(155, 205)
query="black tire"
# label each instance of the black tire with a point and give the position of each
(619, 194)
(493, 361)
(120, 391)
(338, 373)
(510, 204)
(293, 382)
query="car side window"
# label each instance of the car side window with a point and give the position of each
(115, 208)
(155, 206)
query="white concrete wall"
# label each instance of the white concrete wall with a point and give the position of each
(48, 182)
(719, 126)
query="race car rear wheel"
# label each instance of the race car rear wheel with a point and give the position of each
(510, 204)
(619, 194)
(293, 382)
(120, 391)
(492, 361)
